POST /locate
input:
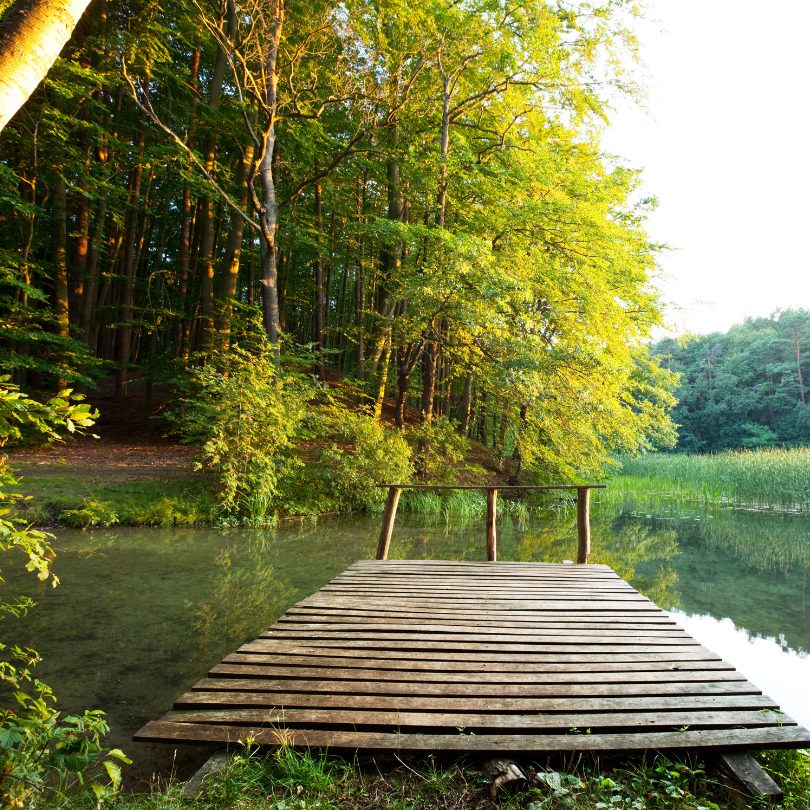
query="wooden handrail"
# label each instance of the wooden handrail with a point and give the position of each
(583, 513)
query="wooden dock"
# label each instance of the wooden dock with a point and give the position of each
(477, 657)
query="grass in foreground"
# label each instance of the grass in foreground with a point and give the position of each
(762, 479)
(292, 780)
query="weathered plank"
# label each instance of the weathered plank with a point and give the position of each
(743, 738)
(561, 721)
(519, 666)
(473, 703)
(405, 655)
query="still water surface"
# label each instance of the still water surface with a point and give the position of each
(141, 614)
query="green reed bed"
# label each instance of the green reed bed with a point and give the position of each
(760, 479)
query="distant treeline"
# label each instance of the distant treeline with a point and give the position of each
(747, 387)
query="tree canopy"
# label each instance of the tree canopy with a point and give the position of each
(747, 387)
(415, 194)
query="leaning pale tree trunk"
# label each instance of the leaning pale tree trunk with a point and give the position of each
(32, 35)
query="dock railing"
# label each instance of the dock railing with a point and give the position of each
(583, 513)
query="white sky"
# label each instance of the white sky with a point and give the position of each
(725, 145)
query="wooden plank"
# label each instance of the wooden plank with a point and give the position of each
(527, 689)
(563, 721)
(522, 677)
(744, 738)
(519, 665)
(418, 620)
(474, 703)
(446, 652)
(503, 640)
(486, 604)
(749, 774)
(395, 629)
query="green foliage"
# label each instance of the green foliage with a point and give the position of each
(301, 780)
(92, 513)
(39, 749)
(747, 387)
(347, 454)
(243, 417)
(438, 450)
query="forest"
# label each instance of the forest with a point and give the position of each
(407, 202)
(745, 388)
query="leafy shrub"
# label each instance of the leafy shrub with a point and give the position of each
(38, 748)
(438, 449)
(91, 514)
(243, 417)
(348, 454)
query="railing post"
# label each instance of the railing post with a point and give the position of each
(583, 525)
(492, 538)
(388, 522)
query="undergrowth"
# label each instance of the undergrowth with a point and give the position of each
(301, 780)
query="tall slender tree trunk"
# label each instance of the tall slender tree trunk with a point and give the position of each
(205, 258)
(465, 406)
(233, 248)
(796, 339)
(60, 280)
(32, 34)
(186, 225)
(269, 211)
(91, 279)
(319, 290)
(359, 288)
(124, 337)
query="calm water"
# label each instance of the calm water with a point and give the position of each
(141, 614)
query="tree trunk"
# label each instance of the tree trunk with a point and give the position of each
(233, 249)
(32, 35)
(269, 212)
(359, 290)
(319, 292)
(124, 347)
(428, 380)
(208, 216)
(91, 281)
(465, 406)
(797, 350)
(60, 280)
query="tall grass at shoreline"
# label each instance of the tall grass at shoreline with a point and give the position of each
(776, 479)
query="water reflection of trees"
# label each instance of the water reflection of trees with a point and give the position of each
(244, 597)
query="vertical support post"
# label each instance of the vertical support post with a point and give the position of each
(583, 525)
(388, 522)
(492, 538)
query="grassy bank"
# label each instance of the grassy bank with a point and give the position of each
(289, 780)
(760, 479)
(84, 499)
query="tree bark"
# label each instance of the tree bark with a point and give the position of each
(60, 280)
(269, 210)
(319, 291)
(32, 35)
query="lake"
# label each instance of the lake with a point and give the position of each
(141, 614)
